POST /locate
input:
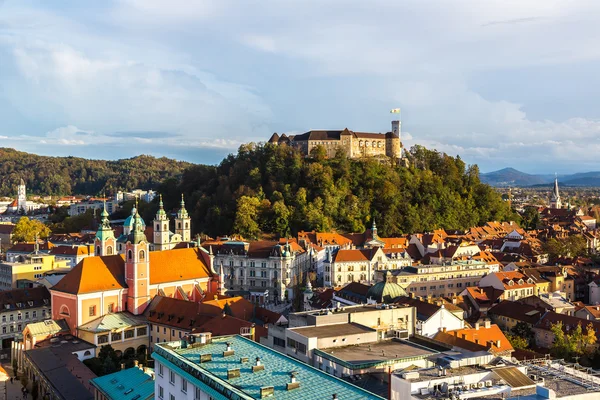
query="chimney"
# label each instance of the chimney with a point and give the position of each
(476, 326)
(444, 329)
(476, 341)
(334, 396)
(487, 323)
(135, 362)
(464, 336)
(122, 366)
(293, 381)
(498, 343)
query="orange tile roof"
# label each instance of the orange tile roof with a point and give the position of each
(394, 242)
(223, 325)
(352, 255)
(100, 273)
(239, 306)
(94, 274)
(485, 337)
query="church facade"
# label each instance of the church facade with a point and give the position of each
(125, 275)
(354, 144)
(20, 204)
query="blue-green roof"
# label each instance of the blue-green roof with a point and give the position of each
(314, 383)
(114, 386)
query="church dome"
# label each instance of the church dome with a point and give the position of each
(129, 221)
(385, 292)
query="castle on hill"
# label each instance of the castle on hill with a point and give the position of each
(355, 144)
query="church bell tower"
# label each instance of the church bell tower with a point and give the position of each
(137, 268)
(182, 223)
(161, 228)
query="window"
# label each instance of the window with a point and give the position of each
(111, 307)
(19, 316)
(198, 395)
(160, 369)
(4, 318)
(129, 334)
(141, 331)
(130, 255)
(161, 392)
(19, 328)
(102, 339)
(3, 329)
(263, 284)
(278, 342)
(165, 331)
(172, 332)
(171, 377)
(33, 314)
(142, 255)
(263, 274)
(11, 317)
(92, 311)
(109, 250)
(252, 273)
(116, 336)
(183, 385)
(171, 397)
(12, 328)
(263, 265)
(157, 329)
(252, 282)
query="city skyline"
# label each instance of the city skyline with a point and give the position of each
(500, 84)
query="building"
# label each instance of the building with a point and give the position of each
(19, 307)
(20, 205)
(145, 195)
(164, 239)
(555, 201)
(26, 269)
(6, 230)
(354, 144)
(111, 283)
(263, 271)
(507, 314)
(487, 337)
(72, 254)
(126, 333)
(543, 333)
(233, 367)
(514, 284)
(441, 280)
(130, 383)
(93, 204)
(56, 365)
(433, 317)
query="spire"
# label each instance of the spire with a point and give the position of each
(137, 234)
(161, 214)
(182, 213)
(104, 231)
(374, 229)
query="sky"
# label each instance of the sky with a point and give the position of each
(508, 83)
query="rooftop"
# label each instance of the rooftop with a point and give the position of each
(112, 322)
(314, 384)
(332, 330)
(127, 383)
(374, 353)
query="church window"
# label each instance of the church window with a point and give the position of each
(157, 227)
(165, 227)
(109, 250)
(187, 225)
(97, 250)
(179, 225)
(130, 255)
(111, 307)
(142, 255)
(64, 310)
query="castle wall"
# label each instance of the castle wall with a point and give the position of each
(368, 147)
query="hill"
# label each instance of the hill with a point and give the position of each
(71, 175)
(274, 189)
(512, 177)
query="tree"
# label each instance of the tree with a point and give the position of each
(523, 330)
(246, 217)
(518, 342)
(560, 345)
(574, 344)
(531, 217)
(27, 230)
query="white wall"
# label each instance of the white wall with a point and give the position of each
(174, 389)
(441, 319)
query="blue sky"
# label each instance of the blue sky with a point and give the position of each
(500, 83)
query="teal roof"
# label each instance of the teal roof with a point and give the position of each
(314, 383)
(115, 385)
(129, 221)
(112, 322)
(385, 292)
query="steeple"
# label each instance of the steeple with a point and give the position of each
(161, 215)
(374, 229)
(105, 237)
(555, 201)
(182, 223)
(137, 234)
(182, 213)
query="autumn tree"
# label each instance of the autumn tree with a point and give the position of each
(27, 230)
(246, 217)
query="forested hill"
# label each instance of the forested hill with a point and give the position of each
(266, 188)
(71, 175)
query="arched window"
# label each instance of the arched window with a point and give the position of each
(109, 250)
(339, 278)
(179, 225)
(379, 144)
(366, 143)
(187, 225)
(360, 143)
(350, 278)
(130, 255)
(374, 143)
(157, 226)
(64, 310)
(87, 353)
(97, 250)
(165, 227)
(142, 255)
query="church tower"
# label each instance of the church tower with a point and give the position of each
(161, 228)
(137, 268)
(182, 223)
(105, 241)
(555, 201)
(22, 197)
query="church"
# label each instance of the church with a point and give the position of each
(124, 275)
(20, 204)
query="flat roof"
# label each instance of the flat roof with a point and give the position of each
(378, 352)
(332, 330)
(126, 384)
(213, 374)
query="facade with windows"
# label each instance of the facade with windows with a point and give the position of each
(125, 332)
(28, 268)
(265, 271)
(20, 307)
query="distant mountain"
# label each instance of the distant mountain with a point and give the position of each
(512, 177)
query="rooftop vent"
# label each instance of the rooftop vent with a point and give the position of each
(229, 351)
(258, 366)
(233, 373)
(294, 384)
(267, 391)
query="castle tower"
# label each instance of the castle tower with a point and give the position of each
(161, 228)
(105, 241)
(182, 223)
(22, 197)
(555, 201)
(137, 268)
(393, 143)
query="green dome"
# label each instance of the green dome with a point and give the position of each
(385, 292)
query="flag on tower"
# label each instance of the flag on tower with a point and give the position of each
(395, 111)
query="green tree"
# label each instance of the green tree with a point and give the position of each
(246, 217)
(517, 342)
(523, 330)
(530, 217)
(26, 230)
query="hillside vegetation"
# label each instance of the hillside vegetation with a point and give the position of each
(274, 189)
(71, 175)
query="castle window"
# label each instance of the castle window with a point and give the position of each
(379, 144)
(374, 143)
(360, 143)
(109, 250)
(142, 255)
(366, 143)
(130, 255)
(64, 310)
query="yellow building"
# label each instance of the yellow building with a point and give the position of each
(30, 267)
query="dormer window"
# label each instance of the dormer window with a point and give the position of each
(521, 281)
